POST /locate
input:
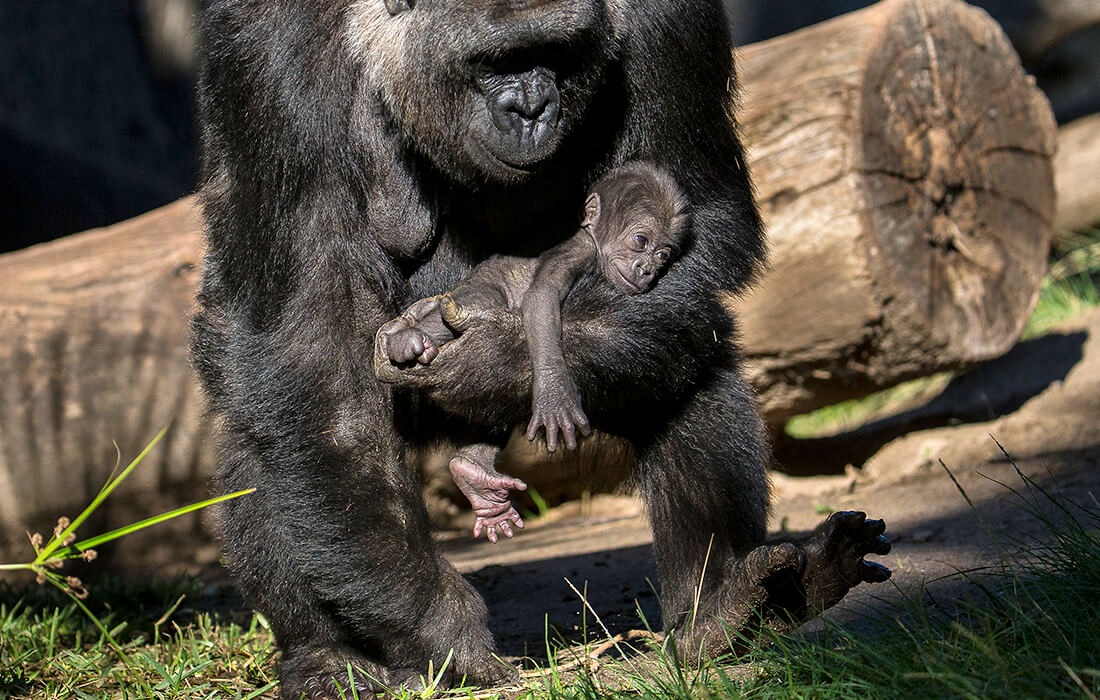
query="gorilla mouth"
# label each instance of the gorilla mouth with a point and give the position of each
(631, 287)
(521, 116)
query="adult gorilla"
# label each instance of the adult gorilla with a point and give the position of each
(360, 154)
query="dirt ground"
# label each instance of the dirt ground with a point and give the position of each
(1041, 402)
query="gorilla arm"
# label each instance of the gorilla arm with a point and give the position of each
(623, 351)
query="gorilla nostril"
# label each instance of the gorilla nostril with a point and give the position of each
(524, 106)
(531, 95)
(539, 93)
(530, 109)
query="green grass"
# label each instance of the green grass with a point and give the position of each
(1030, 629)
(849, 415)
(1069, 289)
(1033, 631)
(50, 649)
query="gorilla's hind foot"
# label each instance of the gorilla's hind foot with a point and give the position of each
(327, 674)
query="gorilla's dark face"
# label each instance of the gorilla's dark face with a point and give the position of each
(488, 90)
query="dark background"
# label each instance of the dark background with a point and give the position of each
(97, 110)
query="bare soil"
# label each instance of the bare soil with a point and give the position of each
(1042, 402)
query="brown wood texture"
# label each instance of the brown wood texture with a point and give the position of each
(902, 160)
(94, 352)
(1077, 175)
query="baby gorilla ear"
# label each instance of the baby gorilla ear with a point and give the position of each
(398, 6)
(591, 210)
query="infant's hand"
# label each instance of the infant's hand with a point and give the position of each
(556, 405)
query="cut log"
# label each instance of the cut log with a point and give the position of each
(1077, 175)
(95, 330)
(902, 160)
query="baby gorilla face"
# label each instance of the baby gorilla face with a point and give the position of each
(633, 260)
(639, 217)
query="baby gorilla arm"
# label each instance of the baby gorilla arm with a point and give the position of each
(555, 401)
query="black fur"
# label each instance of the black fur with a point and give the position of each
(340, 184)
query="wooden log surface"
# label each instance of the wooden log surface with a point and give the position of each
(95, 353)
(902, 160)
(1077, 175)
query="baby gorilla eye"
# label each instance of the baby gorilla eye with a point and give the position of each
(640, 240)
(662, 256)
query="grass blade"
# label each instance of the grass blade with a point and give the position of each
(142, 524)
(56, 542)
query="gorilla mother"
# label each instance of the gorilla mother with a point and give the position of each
(361, 154)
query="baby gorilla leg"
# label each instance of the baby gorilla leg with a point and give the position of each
(487, 489)
(415, 335)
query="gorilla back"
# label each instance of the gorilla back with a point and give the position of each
(359, 154)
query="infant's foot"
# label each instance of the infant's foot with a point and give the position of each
(504, 521)
(409, 344)
(488, 492)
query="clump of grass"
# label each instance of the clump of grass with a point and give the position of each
(50, 649)
(1033, 629)
(24, 660)
(1069, 289)
(1030, 629)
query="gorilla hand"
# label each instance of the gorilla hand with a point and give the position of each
(484, 375)
(402, 340)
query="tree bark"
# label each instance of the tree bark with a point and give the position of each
(1077, 175)
(902, 160)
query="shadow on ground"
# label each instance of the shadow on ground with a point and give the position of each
(995, 389)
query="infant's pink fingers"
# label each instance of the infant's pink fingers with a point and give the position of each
(429, 354)
(507, 529)
(533, 428)
(569, 432)
(517, 520)
(477, 528)
(491, 532)
(551, 435)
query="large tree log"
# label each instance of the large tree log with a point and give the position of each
(1077, 175)
(902, 160)
(95, 331)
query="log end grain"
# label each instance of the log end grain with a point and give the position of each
(957, 144)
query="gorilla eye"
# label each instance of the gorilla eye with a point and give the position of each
(640, 240)
(662, 256)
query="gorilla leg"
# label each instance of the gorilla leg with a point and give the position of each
(706, 491)
(336, 551)
(705, 486)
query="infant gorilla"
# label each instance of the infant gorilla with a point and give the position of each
(635, 219)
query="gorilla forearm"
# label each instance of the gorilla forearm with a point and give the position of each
(649, 349)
